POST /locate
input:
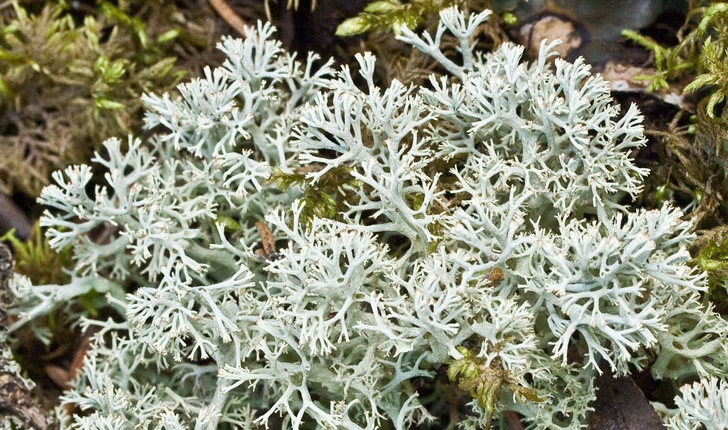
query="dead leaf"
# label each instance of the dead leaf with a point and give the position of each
(621, 405)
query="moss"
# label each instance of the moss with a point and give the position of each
(485, 380)
(35, 259)
(324, 198)
(70, 80)
(689, 56)
(392, 15)
(379, 22)
(693, 149)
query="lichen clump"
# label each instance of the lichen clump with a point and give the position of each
(477, 225)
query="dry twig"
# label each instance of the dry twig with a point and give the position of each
(228, 14)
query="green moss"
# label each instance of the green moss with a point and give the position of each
(324, 198)
(35, 259)
(669, 62)
(484, 381)
(71, 80)
(385, 15)
(701, 53)
(692, 165)
(714, 258)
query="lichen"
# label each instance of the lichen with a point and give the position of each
(521, 258)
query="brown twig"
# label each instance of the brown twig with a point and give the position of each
(514, 420)
(229, 15)
(63, 377)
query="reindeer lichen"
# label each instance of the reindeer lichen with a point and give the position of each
(519, 271)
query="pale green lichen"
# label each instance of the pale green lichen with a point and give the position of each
(520, 257)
